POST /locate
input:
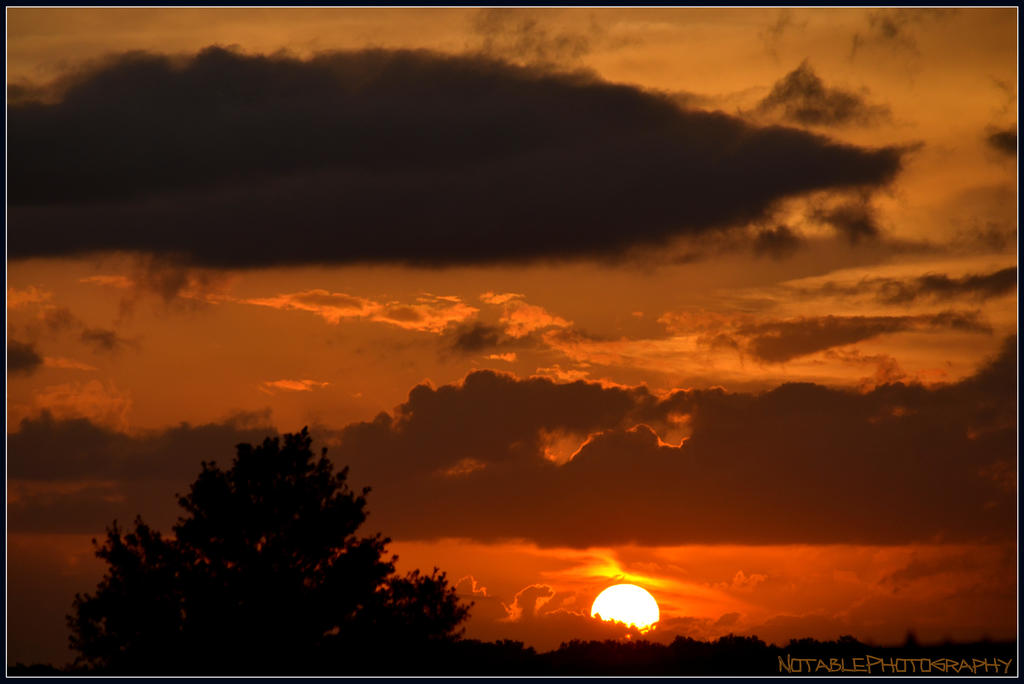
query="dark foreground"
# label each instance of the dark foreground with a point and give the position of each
(729, 655)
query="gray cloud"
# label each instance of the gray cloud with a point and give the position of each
(391, 156)
(928, 287)
(802, 97)
(791, 465)
(855, 220)
(780, 341)
(104, 340)
(941, 286)
(520, 35)
(22, 358)
(1004, 141)
(778, 243)
(75, 476)
(895, 28)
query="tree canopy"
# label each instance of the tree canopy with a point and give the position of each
(264, 574)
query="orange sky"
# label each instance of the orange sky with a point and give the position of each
(884, 281)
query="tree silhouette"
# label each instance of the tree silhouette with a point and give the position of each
(264, 574)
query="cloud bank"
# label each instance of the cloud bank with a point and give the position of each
(229, 160)
(582, 464)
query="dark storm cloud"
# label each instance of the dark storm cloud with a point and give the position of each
(489, 418)
(228, 160)
(780, 341)
(802, 97)
(22, 358)
(1004, 141)
(801, 463)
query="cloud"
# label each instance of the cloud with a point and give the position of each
(780, 341)
(51, 321)
(942, 287)
(474, 337)
(887, 368)
(777, 340)
(778, 242)
(73, 475)
(22, 358)
(538, 615)
(177, 284)
(59, 318)
(519, 35)
(121, 282)
(802, 97)
(521, 325)
(773, 34)
(894, 29)
(473, 587)
(801, 463)
(528, 601)
(854, 220)
(103, 340)
(66, 364)
(927, 287)
(294, 385)
(102, 403)
(789, 465)
(521, 319)
(30, 295)
(430, 313)
(389, 156)
(1003, 141)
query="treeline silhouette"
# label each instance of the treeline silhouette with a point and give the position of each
(264, 574)
(728, 655)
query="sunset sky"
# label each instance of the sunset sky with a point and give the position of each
(720, 302)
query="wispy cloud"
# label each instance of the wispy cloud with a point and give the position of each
(428, 313)
(292, 385)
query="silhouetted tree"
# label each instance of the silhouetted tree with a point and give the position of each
(264, 574)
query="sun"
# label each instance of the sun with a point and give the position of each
(627, 603)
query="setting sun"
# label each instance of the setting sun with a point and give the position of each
(627, 603)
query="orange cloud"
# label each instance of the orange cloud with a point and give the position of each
(69, 364)
(492, 298)
(173, 282)
(429, 313)
(30, 295)
(520, 318)
(528, 602)
(101, 402)
(294, 385)
(474, 587)
(119, 281)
